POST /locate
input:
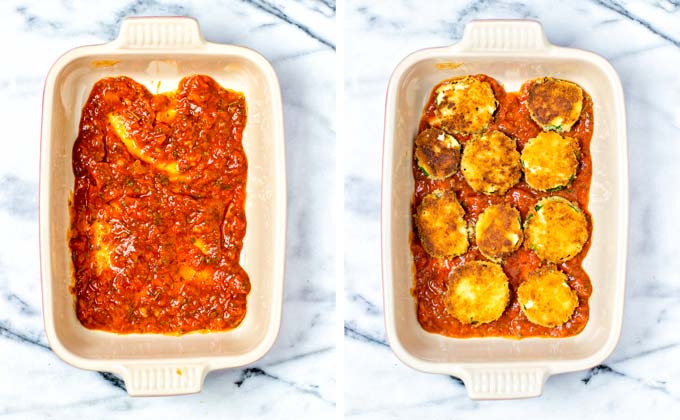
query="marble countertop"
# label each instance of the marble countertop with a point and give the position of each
(297, 376)
(641, 379)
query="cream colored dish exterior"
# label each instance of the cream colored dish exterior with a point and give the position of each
(512, 51)
(158, 52)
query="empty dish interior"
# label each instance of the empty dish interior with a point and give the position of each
(262, 256)
(606, 204)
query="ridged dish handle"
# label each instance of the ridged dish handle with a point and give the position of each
(147, 380)
(504, 383)
(503, 35)
(159, 33)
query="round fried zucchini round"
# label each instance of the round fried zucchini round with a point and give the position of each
(550, 161)
(437, 153)
(477, 292)
(546, 298)
(464, 106)
(554, 104)
(555, 229)
(490, 163)
(441, 227)
(498, 231)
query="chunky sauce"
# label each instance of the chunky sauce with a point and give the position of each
(431, 274)
(158, 214)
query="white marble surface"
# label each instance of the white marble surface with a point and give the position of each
(297, 377)
(641, 379)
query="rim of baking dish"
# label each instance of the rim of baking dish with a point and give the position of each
(202, 47)
(464, 47)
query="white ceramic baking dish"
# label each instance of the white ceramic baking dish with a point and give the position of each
(512, 52)
(158, 52)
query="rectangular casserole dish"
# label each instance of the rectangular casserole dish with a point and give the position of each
(512, 51)
(158, 52)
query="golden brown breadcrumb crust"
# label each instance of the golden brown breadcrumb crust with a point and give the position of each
(467, 106)
(550, 161)
(498, 231)
(546, 298)
(441, 226)
(555, 104)
(491, 163)
(477, 292)
(555, 229)
(438, 153)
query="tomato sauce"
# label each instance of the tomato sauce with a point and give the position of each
(158, 212)
(431, 274)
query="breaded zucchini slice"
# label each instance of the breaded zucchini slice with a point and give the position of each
(102, 248)
(441, 227)
(464, 105)
(555, 229)
(554, 104)
(490, 163)
(477, 292)
(498, 231)
(546, 297)
(437, 153)
(550, 161)
(119, 125)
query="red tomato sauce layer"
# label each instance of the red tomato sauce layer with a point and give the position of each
(431, 274)
(158, 211)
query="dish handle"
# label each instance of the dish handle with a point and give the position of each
(489, 383)
(159, 33)
(499, 35)
(145, 380)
